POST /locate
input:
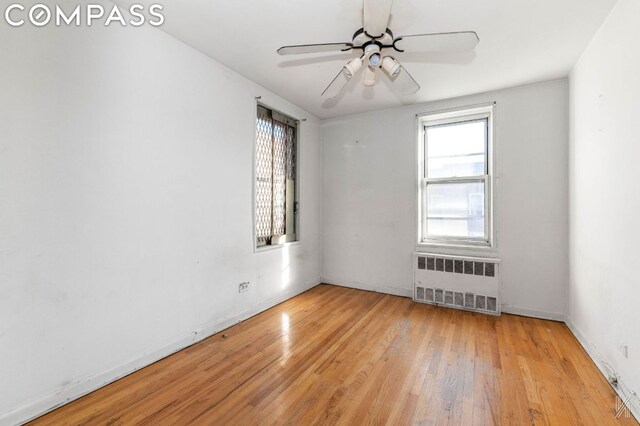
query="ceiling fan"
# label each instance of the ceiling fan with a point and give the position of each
(373, 39)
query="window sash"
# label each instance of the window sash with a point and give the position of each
(484, 240)
(453, 122)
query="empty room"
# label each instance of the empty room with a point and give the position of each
(380, 212)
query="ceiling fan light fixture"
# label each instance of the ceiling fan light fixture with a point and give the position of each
(372, 53)
(369, 76)
(390, 66)
(375, 60)
(352, 67)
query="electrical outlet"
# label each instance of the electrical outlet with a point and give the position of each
(242, 287)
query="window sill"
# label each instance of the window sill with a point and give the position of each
(457, 249)
(276, 246)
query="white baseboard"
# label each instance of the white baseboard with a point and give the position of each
(605, 368)
(87, 385)
(533, 313)
(395, 291)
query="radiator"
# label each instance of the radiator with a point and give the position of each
(470, 283)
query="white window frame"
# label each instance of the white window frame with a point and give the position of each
(458, 115)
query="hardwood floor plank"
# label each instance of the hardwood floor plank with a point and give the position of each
(335, 355)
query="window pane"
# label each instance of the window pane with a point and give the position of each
(458, 149)
(455, 209)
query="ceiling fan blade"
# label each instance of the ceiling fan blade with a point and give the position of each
(314, 48)
(403, 83)
(337, 84)
(438, 42)
(376, 16)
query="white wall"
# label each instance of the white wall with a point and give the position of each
(369, 218)
(605, 200)
(126, 207)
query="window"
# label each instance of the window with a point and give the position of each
(275, 174)
(455, 195)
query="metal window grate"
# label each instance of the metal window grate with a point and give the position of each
(420, 293)
(275, 175)
(264, 178)
(439, 264)
(291, 153)
(279, 177)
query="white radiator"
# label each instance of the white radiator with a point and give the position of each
(471, 283)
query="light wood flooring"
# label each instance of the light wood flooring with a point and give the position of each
(335, 355)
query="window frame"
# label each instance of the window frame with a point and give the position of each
(297, 211)
(446, 117)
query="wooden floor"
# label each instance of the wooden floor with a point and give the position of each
(341, 356)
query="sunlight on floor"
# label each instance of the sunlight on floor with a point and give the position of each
(286, 344)
(286, 262)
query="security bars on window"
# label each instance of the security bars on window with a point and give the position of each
(275, 177)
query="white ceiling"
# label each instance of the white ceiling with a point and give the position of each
(521, 41)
